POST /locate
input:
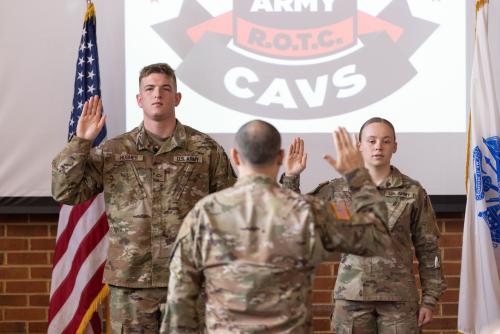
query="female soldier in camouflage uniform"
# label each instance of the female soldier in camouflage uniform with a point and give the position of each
(375, 294)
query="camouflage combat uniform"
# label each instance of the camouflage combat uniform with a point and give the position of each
(148, 190)
(256, 247)
(363, 283)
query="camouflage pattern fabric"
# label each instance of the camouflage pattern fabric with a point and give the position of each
(412, 223)
(148, 190)
(362, 317)
(136, 311)
(256, 247)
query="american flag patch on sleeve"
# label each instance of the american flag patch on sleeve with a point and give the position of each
(341, 210)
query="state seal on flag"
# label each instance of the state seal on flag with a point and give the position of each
(487, 186)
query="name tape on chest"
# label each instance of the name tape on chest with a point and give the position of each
(188, 159)
(395, 193)
(129, 157)
(341, 210)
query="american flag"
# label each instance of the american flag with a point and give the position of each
(81, 244)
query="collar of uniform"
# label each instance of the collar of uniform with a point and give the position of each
(178, 139)
(394, 180)
(255, 178)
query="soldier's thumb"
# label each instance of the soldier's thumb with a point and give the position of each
(330, 160)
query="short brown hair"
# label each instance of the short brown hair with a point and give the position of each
(376, 120)
(162, 68)
(258, 142)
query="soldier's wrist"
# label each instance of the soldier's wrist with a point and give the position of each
(357, 178)
(429, 302)
(289, 178)
(290, 182)
(81, 142)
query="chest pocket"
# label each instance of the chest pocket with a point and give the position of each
(122, 180)
(398, 206)
(183, 176)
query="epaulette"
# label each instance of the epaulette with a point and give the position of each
(318, 187)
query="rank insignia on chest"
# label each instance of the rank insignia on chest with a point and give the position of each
(188, 158)
(341, 210)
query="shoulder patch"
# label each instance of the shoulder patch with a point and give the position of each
(341, 210)
(318, 188)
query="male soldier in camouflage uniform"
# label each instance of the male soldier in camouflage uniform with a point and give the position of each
(256, 245)
(151, 177)
(376, 294)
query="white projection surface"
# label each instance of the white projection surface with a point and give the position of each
(306, 66)
(310, 66)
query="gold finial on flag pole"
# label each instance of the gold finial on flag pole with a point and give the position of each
(480, 3)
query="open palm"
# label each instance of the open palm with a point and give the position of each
(91, 121)
(296, 158)
(348, 156)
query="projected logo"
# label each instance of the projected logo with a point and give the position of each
(486, 185)
(295, 59)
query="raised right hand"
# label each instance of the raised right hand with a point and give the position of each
(91, 121)
(296, 158)
(348, 156)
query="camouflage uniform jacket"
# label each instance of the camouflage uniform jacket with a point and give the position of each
(256, 246)
(146, 194)
(411, 223)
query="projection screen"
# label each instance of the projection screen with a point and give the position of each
(306, 66)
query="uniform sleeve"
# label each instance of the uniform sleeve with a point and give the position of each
(425, 237)
(184, 285)
(77, 172)
(290, 182)
(221, 172)
(361, 232)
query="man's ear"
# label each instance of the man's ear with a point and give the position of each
(395, 147)
(139, 100)
(280, 157)
(235, 156)
(178, 98)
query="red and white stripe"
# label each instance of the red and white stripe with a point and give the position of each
(79, 259)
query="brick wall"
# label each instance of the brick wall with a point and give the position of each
(26, 250)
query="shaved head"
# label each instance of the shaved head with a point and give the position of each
(258, 143)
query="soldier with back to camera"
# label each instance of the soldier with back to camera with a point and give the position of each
(255, 245)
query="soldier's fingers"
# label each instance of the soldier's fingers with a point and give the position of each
(304, 160)
(290, 149)
(356, 139)
(95, 104)
(296, 145)
(99, 106)
(330, 160)
(91, 110)
(336, 142)
(101, 123)
(344, 138)
(348, 140)
(300, 146)
(85, 109)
